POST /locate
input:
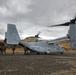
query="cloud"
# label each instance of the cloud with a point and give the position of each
(13, 10)
(31, 16)
(47, 12)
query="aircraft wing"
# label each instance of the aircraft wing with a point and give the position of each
(59, 39)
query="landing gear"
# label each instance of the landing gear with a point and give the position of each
(38, 53)
(61, 52)
(45, 53)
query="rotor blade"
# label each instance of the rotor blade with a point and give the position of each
(72, 21)
(37, 35)
(64, 24)
(29, 37)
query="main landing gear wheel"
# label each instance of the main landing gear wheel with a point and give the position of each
(61, 52)
(38, 53)
(45, 53)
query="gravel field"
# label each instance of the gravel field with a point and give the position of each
(33, 64)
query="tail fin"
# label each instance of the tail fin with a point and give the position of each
(12, 36)
(72, 35)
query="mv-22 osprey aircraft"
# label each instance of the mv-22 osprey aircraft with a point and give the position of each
(12, 38)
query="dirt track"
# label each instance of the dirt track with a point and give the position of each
(53, 64)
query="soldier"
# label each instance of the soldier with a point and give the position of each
(1, 49)
(13, 49)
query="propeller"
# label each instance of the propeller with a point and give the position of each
(63, 24)
(72, 21)
(36, 36)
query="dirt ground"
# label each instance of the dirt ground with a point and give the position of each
(33, 64)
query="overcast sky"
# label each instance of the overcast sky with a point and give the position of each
(32, 16)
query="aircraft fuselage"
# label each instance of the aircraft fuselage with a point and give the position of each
(43, 47)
